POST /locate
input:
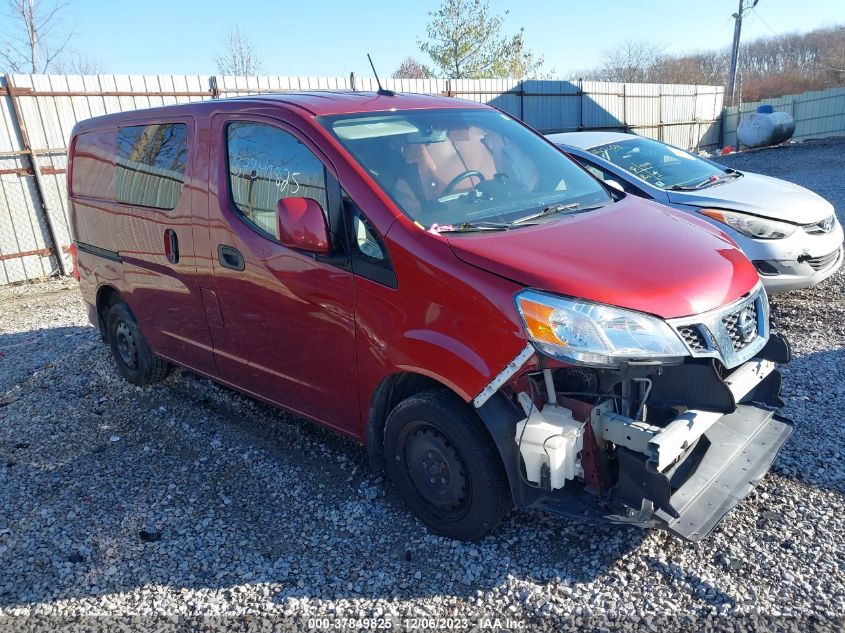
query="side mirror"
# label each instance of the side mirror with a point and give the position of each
(302, 224)
(615, 185)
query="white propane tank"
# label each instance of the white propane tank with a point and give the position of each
(765, 127)
(553, 437)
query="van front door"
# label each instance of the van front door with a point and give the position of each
(287, 320)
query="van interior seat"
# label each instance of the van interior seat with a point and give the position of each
(440, 162)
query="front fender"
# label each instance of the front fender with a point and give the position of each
(449, 360)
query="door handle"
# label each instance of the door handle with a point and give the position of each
(230, 257)
(171, 246)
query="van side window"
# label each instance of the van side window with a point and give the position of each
(267, 164)
(151, 164)
(369, 254)
(92, 175)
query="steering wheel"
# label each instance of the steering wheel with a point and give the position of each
(472, 173)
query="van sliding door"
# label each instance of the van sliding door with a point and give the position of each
(153, 232)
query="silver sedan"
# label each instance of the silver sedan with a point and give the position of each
(790, 233)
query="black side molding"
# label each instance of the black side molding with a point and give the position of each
(113, 256)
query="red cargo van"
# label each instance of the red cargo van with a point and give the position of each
(434, 279)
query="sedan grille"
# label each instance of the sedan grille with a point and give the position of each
(820, 263)
(825, 226)
(741, 326)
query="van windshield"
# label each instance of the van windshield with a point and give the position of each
(459, 168)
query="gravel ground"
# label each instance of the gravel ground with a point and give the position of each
(120, 504)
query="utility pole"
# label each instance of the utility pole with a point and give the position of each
(744, 5)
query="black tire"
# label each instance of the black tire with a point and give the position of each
(445, 466)
(134, 360)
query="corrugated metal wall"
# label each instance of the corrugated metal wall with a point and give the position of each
(38, 112)
(687, 116)
(817, 114)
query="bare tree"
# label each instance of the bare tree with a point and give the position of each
(238, 56)
(773, 66)
(37, 37)
(75, 63)
(630, 61)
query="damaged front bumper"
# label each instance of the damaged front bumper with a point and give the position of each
(728, 461)
(681, 471)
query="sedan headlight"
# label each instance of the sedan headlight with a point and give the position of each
(751, 225)
(594, 334)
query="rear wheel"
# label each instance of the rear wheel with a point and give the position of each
(445, 466)
(134, 360)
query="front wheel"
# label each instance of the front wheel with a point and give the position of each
(445, 466)
(134, 360)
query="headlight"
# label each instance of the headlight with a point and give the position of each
(592, 333)
(751, 225)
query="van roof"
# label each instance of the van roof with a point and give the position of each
(319, 103)
(316, 103)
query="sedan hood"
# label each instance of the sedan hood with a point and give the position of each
(634, 254)
(760, 195)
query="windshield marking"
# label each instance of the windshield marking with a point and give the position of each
(660, 165)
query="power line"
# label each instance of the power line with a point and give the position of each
(766, 24)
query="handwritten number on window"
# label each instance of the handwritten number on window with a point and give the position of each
(284, 179)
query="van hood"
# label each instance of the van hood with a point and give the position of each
(634, 254)
(760, 195)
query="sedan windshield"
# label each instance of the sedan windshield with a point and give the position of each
(466, 170)
(662, 165)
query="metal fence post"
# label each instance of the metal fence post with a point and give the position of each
(694, 127)
(17, 118)
(625, 107)
(522, 101)
(660, 113)
(580, 104)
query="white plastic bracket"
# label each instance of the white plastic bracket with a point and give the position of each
(503, 376)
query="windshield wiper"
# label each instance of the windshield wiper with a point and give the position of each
(684, 188)
(554, 208)
(467, 227)
(713, 180)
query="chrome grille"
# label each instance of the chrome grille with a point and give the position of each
(732, 333)
(742, 326)
(693, 338)
(820, 263)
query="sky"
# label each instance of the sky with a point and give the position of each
(331, 37)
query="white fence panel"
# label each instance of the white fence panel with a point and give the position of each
(38, 114)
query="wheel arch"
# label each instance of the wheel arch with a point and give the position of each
(399, 386)
(107, 296)
(498, 416)
(392, 390)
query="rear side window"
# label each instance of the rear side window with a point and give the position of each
(151, 164)
(267, 164)
(93, 165)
